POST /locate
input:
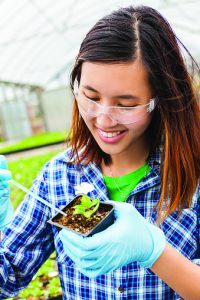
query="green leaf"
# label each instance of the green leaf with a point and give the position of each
(85, 201)
(79, 211)
(88, 214)
(87, 207)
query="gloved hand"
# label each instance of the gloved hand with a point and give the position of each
(6, 210)
(131, 238)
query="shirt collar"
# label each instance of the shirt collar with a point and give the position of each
(91, 174)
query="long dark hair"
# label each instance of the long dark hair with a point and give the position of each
(141, 32)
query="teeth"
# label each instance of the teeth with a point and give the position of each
(110, 134)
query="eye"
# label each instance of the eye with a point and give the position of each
(90, 97)
(127, 106)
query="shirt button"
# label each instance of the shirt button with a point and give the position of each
(121, 289)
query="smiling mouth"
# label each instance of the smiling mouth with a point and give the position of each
(110, 134)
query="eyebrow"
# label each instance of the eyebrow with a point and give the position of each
(128, 96)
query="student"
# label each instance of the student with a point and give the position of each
(135, 139)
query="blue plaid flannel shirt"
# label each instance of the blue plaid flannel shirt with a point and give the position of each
(29, 239)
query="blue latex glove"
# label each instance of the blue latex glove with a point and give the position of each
(6, 210)
(131, 238)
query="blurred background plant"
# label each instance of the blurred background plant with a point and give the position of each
(46, 283)
(36, 141)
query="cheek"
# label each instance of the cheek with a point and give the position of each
(141, 125)
(88, 121)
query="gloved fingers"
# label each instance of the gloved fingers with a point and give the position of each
(87, 264)
(100, 241)
(4, 192)
(3, 162)
(94, 261)
(89, 273)
(107, 258)
(3, 200)
(77, 249)
(85, 243)
(5, 174)
(73, 251)
(89, 258)
(6, 213)
(70, 238)
(73, 255)
(4, 185)
(92, 256)
(104, 267)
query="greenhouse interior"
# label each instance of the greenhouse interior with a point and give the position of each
(39, 43)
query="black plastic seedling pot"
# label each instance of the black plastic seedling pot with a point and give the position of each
(100, 226)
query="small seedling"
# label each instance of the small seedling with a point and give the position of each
(87, 207)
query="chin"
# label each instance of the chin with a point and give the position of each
(110, 149)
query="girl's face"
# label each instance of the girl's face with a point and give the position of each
(118, 85)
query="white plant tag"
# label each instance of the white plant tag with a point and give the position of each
(83, 188)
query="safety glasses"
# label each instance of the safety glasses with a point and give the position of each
(119, 114)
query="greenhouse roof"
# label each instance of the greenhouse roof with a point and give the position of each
(40, 39)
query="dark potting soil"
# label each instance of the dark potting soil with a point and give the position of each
(55, 298)
(78, 222)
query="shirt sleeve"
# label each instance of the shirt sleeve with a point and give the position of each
(196, 260)
(26, 243)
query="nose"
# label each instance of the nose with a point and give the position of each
(105, 120)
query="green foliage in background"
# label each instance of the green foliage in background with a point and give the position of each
(46, 282)
(25, 170)
(41, 139)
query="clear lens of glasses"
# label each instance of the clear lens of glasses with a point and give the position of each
(121, 115)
